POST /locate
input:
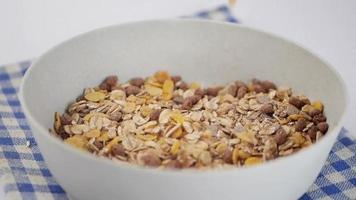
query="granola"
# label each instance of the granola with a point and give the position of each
(162, 121)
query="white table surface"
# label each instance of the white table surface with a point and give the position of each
(327, 27)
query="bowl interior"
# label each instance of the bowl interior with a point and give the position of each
(206, 52)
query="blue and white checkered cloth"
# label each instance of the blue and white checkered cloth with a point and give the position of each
(24, 174)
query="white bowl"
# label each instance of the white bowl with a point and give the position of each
(204, 51)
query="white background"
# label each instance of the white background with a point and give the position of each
(327, 27)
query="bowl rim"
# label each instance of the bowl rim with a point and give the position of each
(128, 166)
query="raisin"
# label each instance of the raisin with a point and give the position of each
(132, 90)
(176, 79)
(109, 83)
(182, 86)
(155, 115)
(300, 125)
(281, 136)
(268, 85)
(323, 127)
(295, 101)
(138, 82)
(241, 92)
(118, 150)
(312, 132)
(267, 109)
(213, 91)
(319, 118)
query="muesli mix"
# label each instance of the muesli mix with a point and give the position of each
(162, 121)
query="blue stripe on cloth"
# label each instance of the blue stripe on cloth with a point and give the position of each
(337, 179)
(4, 77)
